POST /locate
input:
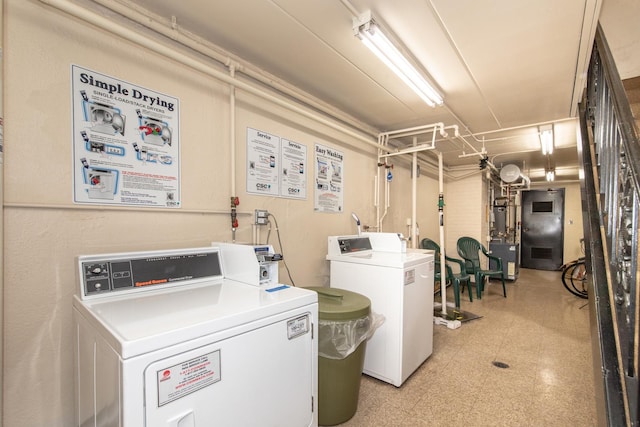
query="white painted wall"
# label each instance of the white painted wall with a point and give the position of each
(465, 201)
(44, 231)
(573, 230)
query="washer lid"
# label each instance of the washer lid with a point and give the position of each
(341, 304)
(145, 322)
(407, 259)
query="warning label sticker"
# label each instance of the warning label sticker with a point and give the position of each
(184, 378)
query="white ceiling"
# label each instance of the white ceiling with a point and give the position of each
(503, 67)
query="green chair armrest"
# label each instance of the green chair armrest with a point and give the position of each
(498, 260)
(449, 273)
(459, 262)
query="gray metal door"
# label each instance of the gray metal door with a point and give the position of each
(542, 229)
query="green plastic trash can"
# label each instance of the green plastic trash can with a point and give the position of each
(344, 325)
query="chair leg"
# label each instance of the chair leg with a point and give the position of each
(504, 288)
(469, 287)
(479, 280)
(456, 293)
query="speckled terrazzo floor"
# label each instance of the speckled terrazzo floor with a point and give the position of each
(539, 330)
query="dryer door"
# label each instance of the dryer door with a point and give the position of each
(262, 375)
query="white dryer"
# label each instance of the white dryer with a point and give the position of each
(399, 284)
(164, 339)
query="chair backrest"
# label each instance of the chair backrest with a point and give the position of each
(430, 244)
(469, 250)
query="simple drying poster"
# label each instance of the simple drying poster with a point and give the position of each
(125, 143)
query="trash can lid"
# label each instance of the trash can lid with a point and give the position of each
(341, 304)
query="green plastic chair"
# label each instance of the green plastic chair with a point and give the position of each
(456, 279)
(469, 250)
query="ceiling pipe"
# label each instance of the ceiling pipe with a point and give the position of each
(109, 25)
(433, 128)
(527, 126)
(416, 130)
(409, 150)
(480, 154)
(383, 138)
(464, 142)
(173, 31)
(442, 130)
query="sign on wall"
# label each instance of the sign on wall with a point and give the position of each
(275, 166)
(125, 143)
(263, 162)
(329, 176)
(293, 180)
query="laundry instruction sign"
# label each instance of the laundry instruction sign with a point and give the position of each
(329, 179)
(275, 166)
(125, 142)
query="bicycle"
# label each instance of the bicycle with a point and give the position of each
(574, 276)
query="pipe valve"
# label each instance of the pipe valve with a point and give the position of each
(235, 201)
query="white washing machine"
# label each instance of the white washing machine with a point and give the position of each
(399, 284)
(163, 338)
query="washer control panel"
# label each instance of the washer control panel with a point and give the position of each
(108, 274)
(354, 244)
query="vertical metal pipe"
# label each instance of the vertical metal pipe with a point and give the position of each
(232, 130)
(232, 148)
(443, 266)
(414, 195)
(1, 210)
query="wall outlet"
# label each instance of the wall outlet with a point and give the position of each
(262, 217)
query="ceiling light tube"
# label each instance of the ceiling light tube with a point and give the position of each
(550, 175)
(546, 139)
(372, 37)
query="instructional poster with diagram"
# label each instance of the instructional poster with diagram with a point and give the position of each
(263, 162)
(275, 166)
(329, 165)
(125, 143)
(293, 180)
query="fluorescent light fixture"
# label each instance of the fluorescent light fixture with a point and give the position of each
(550, 175)
(372, 37)
(546, 139)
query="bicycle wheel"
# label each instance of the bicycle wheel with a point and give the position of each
(574, 278)
(566, 273)
(579, 279)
